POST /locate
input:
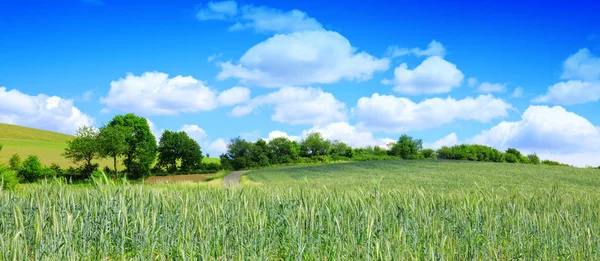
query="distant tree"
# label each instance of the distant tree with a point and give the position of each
(260, 154)
(32, 169)
(113, 143)
(83, 148)
(141, 144)
(428, 153)
(15, 162)
(176, 147)
(339, 149)
(207, 155)
(238, 155)
(407, 147)
(315, 145)
(511, 158)
(283, 150)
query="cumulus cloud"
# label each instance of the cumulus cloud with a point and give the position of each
(303, 58)
(389, 113)
(434, 48)
(259, 18)
(472, 81)
(347, 133)
(217, 147)
(194, 131)
(42, 111)
(280, 134)
(571, 92)
(449, 140)
(433, 76)
(296, 105)
(488, 87)
(582, 72)
(154, 93)
(546, 130)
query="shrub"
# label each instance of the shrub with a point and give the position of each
(511, 158)
(553, 163)
(8, 178)
(56, 169)
(533, 158)
(211, 167)
(15, 162)
(428, 153)
(31, 170)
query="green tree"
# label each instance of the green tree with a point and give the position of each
(141, 144)
(83, 148)
(238, 155)
(260, 154)
(15, 162)
(428, 153)
(112, 143)
(178, 146)
(32, 169)
(407, 147)
(282, 150)
(339, 149)
(315, 145)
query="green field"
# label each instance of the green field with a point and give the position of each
(47, 145)
(387, 210)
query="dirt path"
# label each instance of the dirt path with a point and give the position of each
(233, 179)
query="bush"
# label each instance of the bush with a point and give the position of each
(56, 169)
(15, 162)
(511, 158)
(553, 163)
(8, 178)
(533, 158)
(31, 170)
(472, 152)
(211, 167)
(428, 153)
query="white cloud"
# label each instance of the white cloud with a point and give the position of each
(433, 76)
(547, 131)
(389, 113)
(297, 106)
(155, 131)
(582, 70)
(347, 133)
(303, 58)
(487, 87)
(449, 140)
(582, 65)
(154, 93)
(217, 147)
(260, 18)
(280, 134)
(194, 132)
(571, 92)
(434, 48)
(44, 112)
(233, 96)
(218, 11)
(213, 57)
(517, 93)
(472, 81)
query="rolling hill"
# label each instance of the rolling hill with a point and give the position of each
(28, 141)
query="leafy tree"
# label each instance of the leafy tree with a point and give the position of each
(113, 143)
(533, 158)
(260, 154)
(283, 150)
(407, 147)
(141, 144)
(340, 149)
(511, 158)
(15, 162)
(428, 153)
(315, 145)
(238, 154)
(32, 169)
(84, 148)
(8, 178)
(178, 146)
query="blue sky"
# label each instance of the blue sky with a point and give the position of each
(501, 73)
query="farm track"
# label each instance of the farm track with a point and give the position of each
(233, 178)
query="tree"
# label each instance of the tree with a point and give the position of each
(260, 154)
(178, 146)
(238, 154)
(32, 169)
(339, 149)
(283, 150)
(15, 162)
(315, 145)
(141, 144)
(407, 147)
(428, 153)
(112, 143)
(84, 148)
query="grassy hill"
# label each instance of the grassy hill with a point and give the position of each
(445, 176)
(47, 145)
(27, 141)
